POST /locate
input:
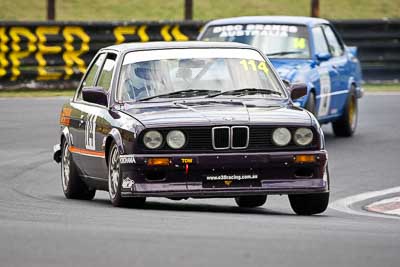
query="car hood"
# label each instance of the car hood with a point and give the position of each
(217, 112)
(288, 69)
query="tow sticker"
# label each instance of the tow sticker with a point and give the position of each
(187, 160)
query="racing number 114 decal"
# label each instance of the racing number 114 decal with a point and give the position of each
(254, 65)
(90, 132)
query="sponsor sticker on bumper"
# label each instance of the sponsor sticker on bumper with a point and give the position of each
(237, 177)
(127, 159)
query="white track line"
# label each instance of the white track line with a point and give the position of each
(344, 204)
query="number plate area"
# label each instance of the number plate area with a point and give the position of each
(231, 179)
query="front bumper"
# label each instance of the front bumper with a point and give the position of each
(224, 174)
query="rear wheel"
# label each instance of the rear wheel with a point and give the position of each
(309, 204)
(115, 182)
(72, 185)
(346, 125)
(250, 201)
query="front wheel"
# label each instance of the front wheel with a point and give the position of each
(346, 125)
(250, 201)
(309, 204)
(72, 185)
(115, 182)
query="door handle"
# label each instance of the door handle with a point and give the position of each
(81, 121)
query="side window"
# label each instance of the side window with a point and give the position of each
(90, 77)
(107, 72)
(91, 74)
(334, 45)
(319, 41)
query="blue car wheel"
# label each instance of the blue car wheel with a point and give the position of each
(346, 125)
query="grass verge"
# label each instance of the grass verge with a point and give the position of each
(389, 87)
(202, 9)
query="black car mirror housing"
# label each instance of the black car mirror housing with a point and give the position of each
(286, 83)
(298, 90)
(96, 95)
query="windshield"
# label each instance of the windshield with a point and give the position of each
(185, 73)
(274, 40)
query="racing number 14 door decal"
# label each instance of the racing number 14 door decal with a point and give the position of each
(90, 132)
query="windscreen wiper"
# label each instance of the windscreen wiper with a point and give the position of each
(282, 53)
(184, 93)
(247, 91)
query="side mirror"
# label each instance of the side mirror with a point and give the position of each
(323, 56)
(297, 90)
(353, 50)
(96, 95)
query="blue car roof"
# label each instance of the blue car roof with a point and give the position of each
(296, 20)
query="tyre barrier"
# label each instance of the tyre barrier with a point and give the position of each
(45, 53)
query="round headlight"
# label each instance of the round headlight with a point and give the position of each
(176, 139)
(152, 139)
(281, 136)
(303, 136)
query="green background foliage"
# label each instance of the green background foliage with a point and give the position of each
(203, 9)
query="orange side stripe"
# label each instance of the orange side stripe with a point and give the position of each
(87, 152)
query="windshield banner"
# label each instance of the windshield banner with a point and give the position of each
(255, 29)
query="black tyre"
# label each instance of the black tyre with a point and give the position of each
(250, 201)
(72, 185)
(310, 104)
(309, 204)
(346, 125)
(115, 182)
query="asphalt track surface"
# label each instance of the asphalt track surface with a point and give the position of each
(39, 227)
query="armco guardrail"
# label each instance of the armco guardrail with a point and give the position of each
(378, 43)
(43, 52)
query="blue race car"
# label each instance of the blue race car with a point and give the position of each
(306, 50)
